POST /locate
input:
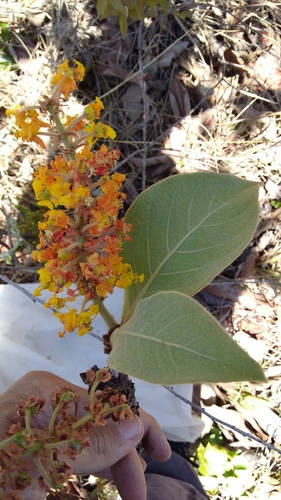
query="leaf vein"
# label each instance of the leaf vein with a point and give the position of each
(171, 344)
(167, 257)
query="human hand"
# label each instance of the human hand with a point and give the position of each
(111, 453)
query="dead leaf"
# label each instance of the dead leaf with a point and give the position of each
(179, 99)
(248, 267)
(273, 494)
(115, 56)
(266, 38)
(233, 292)
(201, 72)
(165, 60)
(131, 191)
(276, 392)
(208, 118)
(273, 371)
(252, 328)
(255, 348)
(113, 69)
(192, 66)
(234, 418)
(273, 189)
(37, 19)
(208, 395)
(231, 57)
(190, 129)
(267, 72)
(132, 102)
(177, 137)
(22, 52)
(156, 165)
(237, 293)
(258, 409)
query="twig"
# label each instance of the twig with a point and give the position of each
(145, 103)
(23, 290)
(37, 299)
(215, 419)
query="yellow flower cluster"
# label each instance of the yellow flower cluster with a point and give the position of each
(81, 236)
(28, 124)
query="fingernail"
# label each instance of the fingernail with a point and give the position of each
(130, 428)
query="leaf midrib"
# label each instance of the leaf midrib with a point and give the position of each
(170, 344)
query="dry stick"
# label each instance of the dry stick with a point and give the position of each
(37, 299)
(145, 103)
(215, 419)
(23, 290)
(8, 225)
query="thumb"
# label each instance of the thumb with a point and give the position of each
(130, 428)
(108, 444)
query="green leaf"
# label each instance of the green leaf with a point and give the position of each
(5, 32)
(118, 6)
(187, 229)
(164, 4)
(276, 203)
(218, 460)
(139, 5)
(123, 24)
(152, 6)
(108, 10)
(6, 60)
(171, 339)
(102, 5)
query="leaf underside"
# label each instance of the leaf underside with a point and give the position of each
(171, 339)
(187, 229)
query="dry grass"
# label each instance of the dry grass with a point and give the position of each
(198, 88)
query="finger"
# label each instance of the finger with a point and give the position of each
(34, 494)
(108, 445)
(129, 477)
(39, 384)
(107, 474)
(154, 440)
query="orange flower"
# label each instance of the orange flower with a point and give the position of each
(57, 218)
(66, 77)
(29, 124)
(103, 288)
(93, 109)
(97, 131)
(81, 237)
(78, 126)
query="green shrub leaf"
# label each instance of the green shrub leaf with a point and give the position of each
(139, 10)
(118, 6)
(102, 5)
(187, 229)
(5, 32)
(171, 339)
(123, 24)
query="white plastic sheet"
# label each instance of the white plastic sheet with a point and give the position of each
(29, 341)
